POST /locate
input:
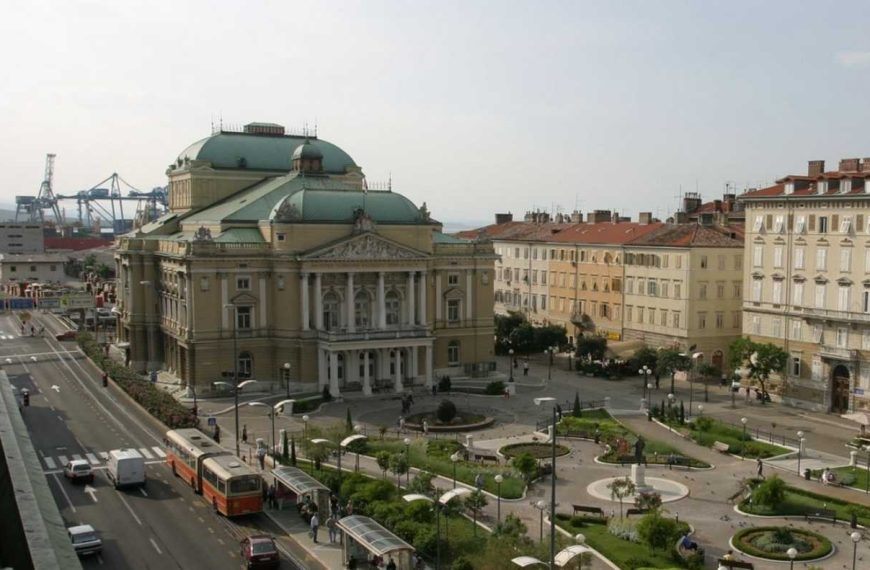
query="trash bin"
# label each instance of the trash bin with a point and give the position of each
(854, 522)
(807, 474)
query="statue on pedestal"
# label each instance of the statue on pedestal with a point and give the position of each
(638, 450)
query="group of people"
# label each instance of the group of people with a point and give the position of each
(32, 330)
(375, 562)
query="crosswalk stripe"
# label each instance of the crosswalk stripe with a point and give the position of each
(92, 458)
(49, 462)
(76, 457)
(147, 454)
(63, 460)
(159, 452)
(104, 455)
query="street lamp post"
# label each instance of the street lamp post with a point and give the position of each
(549, 351)
(581, 540)
(700, 409)
(408, 459)
(792, 552)
(235, 370)
(541, 506)
(511, 364)
(552, 401)
(645, 373)
(439, 503)
(800, 435)
(498, 481)
(287, 377)
(743, 439)
(305, 429)
(455, 459)
(273, 410)
(856, 538)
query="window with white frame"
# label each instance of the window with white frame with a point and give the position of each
(702, 290)
(776, 327)
(663, 317)
(677, 289)
(777, 256)
(676, 319)
(245, 365)
(843, 298)
(823, 224)
(818, 333)
(628, 311)
(821, 259)
(543, 302)
(735, 319)
(865, 301)
(629, 285)
(756, 290)
(797, 294)
(720, 290)
(243, 318)
(453, 353)
(799, 257)
(846, 259)
(820, 295)
(757, 255)
(453, 310)
(796, 329)
(651, 314)
(846, 224)
(842, 337)
(453, 278)
(738, 289)
(795, 365)
(756, 324)
(777, 292)
(779, 224)
(663, 289)
(651, 287)
(759, 223)
(800, 224)
(640, 315)
(720, 320)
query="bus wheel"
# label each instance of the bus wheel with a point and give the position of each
(174, 472)
(193, 484)
(214, 504)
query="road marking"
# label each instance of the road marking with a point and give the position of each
(221, 541)
(52, 408)
(104, 455)
(211, 530)
(92, 492)
(60, 418)
(141, 490)
(63, 491)
(157, 548)
(76, 457)
(49, 462)
(92, 458)
(126, 504)
(147, 454)
(63, 460)
(201, 519)
(159, 452)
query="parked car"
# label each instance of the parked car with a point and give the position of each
(259, 551)
(66, 335)
(84, 539)
(79, 470)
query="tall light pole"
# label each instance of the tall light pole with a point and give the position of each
(743, 439)
(792, 553)
(800, 435)
(691, 377)
(856, 538)
(439, 503)
(305, 429)
(232, 307)
(549, 363)
(408, 459)
(498, 481)
(644, 373)
(287, 377)
(454, 458)
(552, 401)
(273, 410)
(649, 388)
(511, 364)
(541, 506)
(236, 387)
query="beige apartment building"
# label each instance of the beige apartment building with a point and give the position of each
(807, 281)
(277, 261)
(21, 238)
(683, 287)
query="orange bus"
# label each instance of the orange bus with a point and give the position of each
(214, 472)
(232, 487)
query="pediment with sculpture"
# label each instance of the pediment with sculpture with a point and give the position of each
(367, 246)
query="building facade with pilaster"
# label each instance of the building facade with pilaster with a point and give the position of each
(276, 252)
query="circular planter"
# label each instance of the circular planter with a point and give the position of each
(760, 542)
(537, 450)
(464, 421)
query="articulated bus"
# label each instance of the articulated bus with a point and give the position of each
(214, 472)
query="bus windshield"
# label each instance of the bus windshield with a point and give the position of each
(247, 484)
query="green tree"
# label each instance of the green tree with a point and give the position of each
(475, 502)
(285, 447)
(620, 489)
(523, 338)
(293, 451)
(671, 361)
(348, 422)
(525, 464)
(648, 501)
(383, 460)
(762, 359)
(422, 483)
(770, 492)
(399, 466)
(577, 412)
(549, 335)
(504, 326)
(446, 411)
(591, 347)
(646, 356)
(656, 531)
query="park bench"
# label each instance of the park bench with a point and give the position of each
(629, 460)
(634, 511)
(736, 564)
(592, 510)
(721, 447)
(483, 455)
(823, 514)
(678, 460)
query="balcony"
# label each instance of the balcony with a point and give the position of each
(828, 351)
(832, 315)
(343, 335)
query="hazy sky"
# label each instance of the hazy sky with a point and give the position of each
(473, 107)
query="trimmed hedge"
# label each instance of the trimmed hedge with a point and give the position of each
(158, 403)
(823, 549)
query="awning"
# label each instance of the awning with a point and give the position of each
(375, 538)
(297, 480)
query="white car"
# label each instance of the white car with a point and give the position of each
(78, 470)
(84, 539)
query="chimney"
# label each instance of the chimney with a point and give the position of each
(576, 217)
(504, 218)
(560, 219)
(598, 216)
(529, 217)
(816, 167)
(728, 201)
(849, 165)
(681, 218)
(691, 202)
(614, 218)
(644, 218)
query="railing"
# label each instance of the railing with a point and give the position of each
(569, 406)
(836, 352)
(373, 334)
(835, 315)
(769, 436)
(479, 369)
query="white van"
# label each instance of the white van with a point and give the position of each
(126, 467)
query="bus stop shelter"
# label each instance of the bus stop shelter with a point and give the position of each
(365, 539)
(292, 485)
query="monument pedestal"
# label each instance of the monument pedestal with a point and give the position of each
(638, 477)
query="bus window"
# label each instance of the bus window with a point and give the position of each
(240, 485)
(222, 486)
(209, 476)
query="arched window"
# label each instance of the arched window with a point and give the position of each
(453, 353)
(331, 311)
(362, 309)
(393, 307)
(246, 365)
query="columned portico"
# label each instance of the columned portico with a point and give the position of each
(411, 309)
(382, 306)
(305, 316)
(351, 316)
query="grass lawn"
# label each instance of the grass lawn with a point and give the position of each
(435, 455)
(706, 431)
(855, 477)
(623, 553)
(798, 502)
(585, 425)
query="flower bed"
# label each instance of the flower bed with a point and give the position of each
(706, 431)
(798, 502)
(536, 450)
(773, 542)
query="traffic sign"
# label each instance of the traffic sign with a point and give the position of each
(77, 301)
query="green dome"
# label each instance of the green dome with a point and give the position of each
(338, 206)
(259, 152)
(307, 151)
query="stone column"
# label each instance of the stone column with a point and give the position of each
(410, 297)
(351, 317)
(367, 383)
(412, 352)
(437, 297)
(423, 290)
(321, 368)
(306, 312)
(428, 371)
(382, 305)
(333, 374)
(397, 376)
(469, 283)
(318, 302)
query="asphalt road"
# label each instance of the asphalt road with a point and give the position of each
(165, 525)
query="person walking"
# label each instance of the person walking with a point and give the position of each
(245, 433)
(271, 496)
(525, 368)
(315, 525)
(391, 565)
(261, 457)
(760, 468)
(332, 528)
(217, 433)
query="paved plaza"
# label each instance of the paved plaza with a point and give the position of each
(707, 507)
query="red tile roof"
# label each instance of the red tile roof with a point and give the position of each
(605, 232)
(524, 231)
(694, 235)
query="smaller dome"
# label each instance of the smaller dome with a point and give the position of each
(307, 151)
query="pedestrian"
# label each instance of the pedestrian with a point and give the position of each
(217, 433)
(434, 389)
(333, 503)
(245, 433)
(411, 400)
(525, 368)
(348, 509)
(657, 380)
(391, 565)
(331, 528)
(516, 364)
(315, 524)
(270, 496)
(402, 423)
(351, 563)
(425, 427)
(760, 468)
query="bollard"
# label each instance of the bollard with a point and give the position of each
(853, 458)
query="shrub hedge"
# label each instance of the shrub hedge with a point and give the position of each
(159, 404)
(822, 549)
